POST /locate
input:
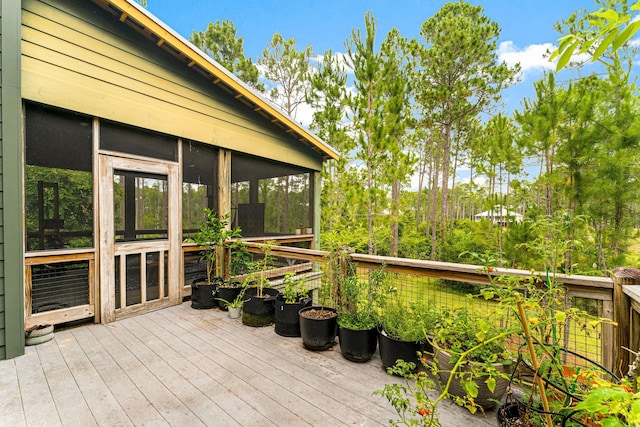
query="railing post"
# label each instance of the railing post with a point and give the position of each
(621, 309)
(224, 207)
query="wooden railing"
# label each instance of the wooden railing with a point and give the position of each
(61, 313)
(618, 296)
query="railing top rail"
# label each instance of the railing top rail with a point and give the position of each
(445, 270)
(477, 273)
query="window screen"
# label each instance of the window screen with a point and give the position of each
(58, 179)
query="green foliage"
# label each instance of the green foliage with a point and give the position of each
(238, 300)
(257, 269)
(411, 400)
(612, 405)
(213, 234)
(294, 290)
(411, 322)
(470, 237)
(221, 42)
(287, 70)
(356, 299)
(457, 330)
(605, 30)
(239, 258)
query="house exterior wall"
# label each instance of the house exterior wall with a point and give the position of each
(79, 57)
(11, 242)
(72, 54)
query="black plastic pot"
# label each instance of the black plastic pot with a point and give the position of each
(228, 293)
(287, 318)
(318, 333)
(510, 412)
(392, 349)
(358, 345)
(258, 311)
(203, 294)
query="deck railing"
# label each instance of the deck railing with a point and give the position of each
(616, 298)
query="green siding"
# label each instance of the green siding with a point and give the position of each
(11, 242)
(82, 54)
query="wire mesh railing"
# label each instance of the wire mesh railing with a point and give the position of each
(454, 285)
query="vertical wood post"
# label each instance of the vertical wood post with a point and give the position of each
(621, 308)
(224, 207)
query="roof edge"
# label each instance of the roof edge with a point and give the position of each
(190, 51)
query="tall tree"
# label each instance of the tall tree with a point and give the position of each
(328, 97)
(367, 108)
(395, 140)
(540, 122)
(615, 184)
(287, 70)
(220, 41)
(459, 77)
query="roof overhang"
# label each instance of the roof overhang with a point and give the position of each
(131, 13)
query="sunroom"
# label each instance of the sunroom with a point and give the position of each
(129, 133)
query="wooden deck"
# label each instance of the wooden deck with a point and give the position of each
(185, 367)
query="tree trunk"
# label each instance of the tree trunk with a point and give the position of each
(395, 196)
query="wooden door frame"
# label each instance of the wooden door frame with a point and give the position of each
(106, 279)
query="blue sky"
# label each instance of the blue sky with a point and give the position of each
(527, 25)
(526, 29)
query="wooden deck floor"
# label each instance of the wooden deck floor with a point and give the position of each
(185, 367)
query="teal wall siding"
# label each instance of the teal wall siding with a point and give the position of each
(11, 246)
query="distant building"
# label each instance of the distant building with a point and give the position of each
(499, 215)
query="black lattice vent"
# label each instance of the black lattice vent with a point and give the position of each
(60, 285)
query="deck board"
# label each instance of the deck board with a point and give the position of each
(67, 397)
(178, 366)
(11, 401)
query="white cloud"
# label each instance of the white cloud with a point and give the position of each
(532, 58)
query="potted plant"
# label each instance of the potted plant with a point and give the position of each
(414, 400)
(356, 306)
(229, 290)
(559, 377)
(213, 233)
(318, 327)
(258, 309)
(293, 297)
(234, 306)
(403, 330)
(472, 358)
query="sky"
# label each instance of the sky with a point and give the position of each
(526, 29)
(527, 26)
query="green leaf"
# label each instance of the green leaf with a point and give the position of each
(566, 56)
(611, 422)
(605, 44)
(469, 387)
(636, 6)
(491, 384)
(625, 35)
(609, 14)
(587, 45)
